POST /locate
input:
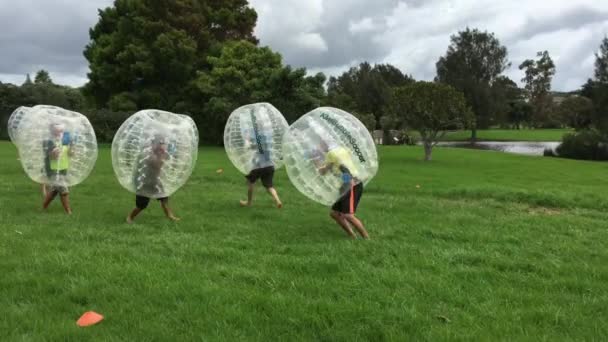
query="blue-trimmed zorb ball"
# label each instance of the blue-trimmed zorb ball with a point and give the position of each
(326, 152)
(253, 137)
(154, 152)
(56, 146)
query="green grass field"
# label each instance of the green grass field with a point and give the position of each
(510, 135)
(490, 246)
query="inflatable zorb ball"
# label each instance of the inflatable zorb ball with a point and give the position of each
(15, 120)
(253, 137)
(329, 136)
(56, 146)
(154, 152)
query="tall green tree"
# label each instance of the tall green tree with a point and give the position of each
(146, 53)
(472, 63)
(520, 114)
(295, 93)
(431, 109)
(366, 89)
(598, 88)
(28, 81)
(576, 112)
(504, 94)
(601, 62)
(538, 76)
(11, 97)
(244, 73)
(42, 77)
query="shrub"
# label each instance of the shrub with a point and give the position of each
(585, 145)
(106, 122)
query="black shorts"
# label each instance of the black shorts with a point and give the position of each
(348, 203)
(141, 202)
(265, 173)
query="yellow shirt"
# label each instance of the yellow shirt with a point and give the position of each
(341, 156)
(63, 160)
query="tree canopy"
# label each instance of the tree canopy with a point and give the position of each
(576, 112)
(601, 62)
(538, 76)
(472, 63)
(42, 91)
(366, 90)
(431, 109)
(148, 52)
(244, 73)
(42, 77)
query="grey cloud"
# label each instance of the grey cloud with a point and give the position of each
(571, 70)
(344, 47)
(45, 34)
(571, 19)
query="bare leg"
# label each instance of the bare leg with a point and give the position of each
(50, 196)
(168, 211)
(339, 218)
(44, 192)
(133, 214)
(352, 219)
(65, 201)
(250, 188)
(275, 197)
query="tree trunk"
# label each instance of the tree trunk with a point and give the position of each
(428, 149)
(386, 137)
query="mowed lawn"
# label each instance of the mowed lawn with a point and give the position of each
(510, 135)
(471, 246)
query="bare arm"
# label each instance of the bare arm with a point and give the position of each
(325, 168)
(55, 152)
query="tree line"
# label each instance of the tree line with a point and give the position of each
(201, 58)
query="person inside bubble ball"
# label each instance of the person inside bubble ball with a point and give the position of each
(339, 162)
(57, 153)
(147, 178)
(263, 167)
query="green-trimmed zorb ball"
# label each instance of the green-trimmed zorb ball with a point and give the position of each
(253, 137)
(154, 152)
(329, 136)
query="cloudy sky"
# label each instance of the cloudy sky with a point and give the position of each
(332, 35)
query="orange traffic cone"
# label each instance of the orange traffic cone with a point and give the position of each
(89, 318)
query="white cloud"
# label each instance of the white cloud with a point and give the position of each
(312, 42)
(364, 25)
(415, 36)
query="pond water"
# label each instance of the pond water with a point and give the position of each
(528, 148)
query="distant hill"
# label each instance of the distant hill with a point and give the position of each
(564, 93)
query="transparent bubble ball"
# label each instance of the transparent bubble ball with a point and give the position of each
(253, 137)
(15, 120)
(56, 146)
(329, 136)
(154, 152)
